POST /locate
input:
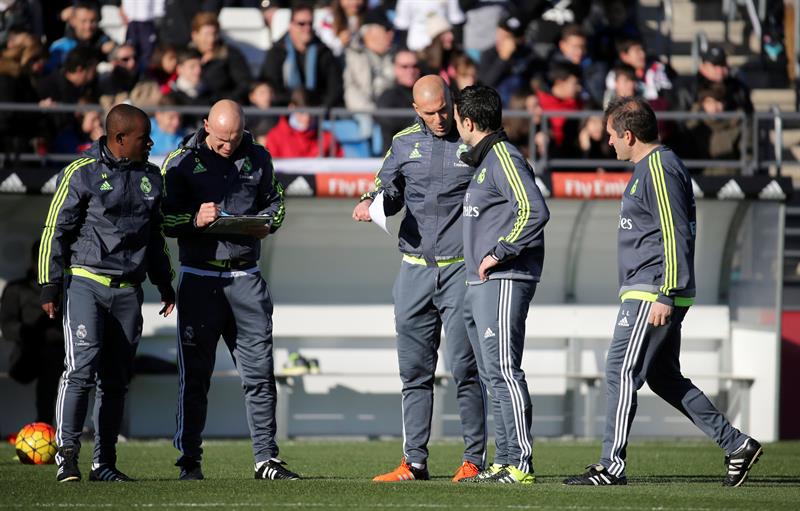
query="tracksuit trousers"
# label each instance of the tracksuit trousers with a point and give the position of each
(237, 306)
(102, 328)
(495, 312)
(425, 298)
(642, 353)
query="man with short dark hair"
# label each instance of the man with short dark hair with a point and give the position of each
(218, 171)
(504, 215)
(714, 69)
(82, 30)
(102, 237)
(301, 60)
(656, 240)
(406, 73)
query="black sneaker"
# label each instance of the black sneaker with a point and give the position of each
(740, 462)
(274, 469)
(68, 466)
(596, 475)
(190, 470)
(108, 473)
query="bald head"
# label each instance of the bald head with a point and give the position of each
(433, 104)
(225, 127)
(128, 133)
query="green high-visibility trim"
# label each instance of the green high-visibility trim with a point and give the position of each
(512, 175)
(421, 261)
(679, 301)
(101, 279)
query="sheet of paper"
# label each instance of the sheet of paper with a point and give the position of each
(377, 214)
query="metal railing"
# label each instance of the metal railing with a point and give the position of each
(761, 123)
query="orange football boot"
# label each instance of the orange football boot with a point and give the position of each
(465, 471)
(404, 472)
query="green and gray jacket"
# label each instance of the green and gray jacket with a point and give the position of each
(423, 172)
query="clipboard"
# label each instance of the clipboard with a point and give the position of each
(236, 224)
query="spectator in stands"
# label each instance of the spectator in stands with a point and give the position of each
(411, 20)
(91, 129)
(38, 352)
(465, 72)
(301, 60)
(435, 59)
(549, 20)
(163, 67)
(20, 69)
(482, 17)
(369, 70)
(654, 77)
(140, 17)
(340, 26)
(226, 73)
(260, 97)
(76, 81)
(297, 135)
(592, 139)
(714, 69)
(165, 128)
(124, 72)
(406, 72)
(564, 94)
(189, 88)
(714, 139)
(508, 66)
(82, 30)
(625, 84)
(18, 16)
(571, 48)
(518, 129)
(175, 28)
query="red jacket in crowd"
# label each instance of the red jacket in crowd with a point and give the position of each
(283, 141)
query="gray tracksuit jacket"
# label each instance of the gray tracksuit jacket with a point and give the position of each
(244, 184)
(504, 212)
(656, 235)
(105, 217)
(424, 173)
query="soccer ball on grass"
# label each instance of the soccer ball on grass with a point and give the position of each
(36, 444)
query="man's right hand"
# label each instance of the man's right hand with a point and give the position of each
(49, 309)
(361, 211)
(207, 213)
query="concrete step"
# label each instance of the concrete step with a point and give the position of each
(683, 63)
(763, 99)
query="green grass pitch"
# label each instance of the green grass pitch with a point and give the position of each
(683, 475)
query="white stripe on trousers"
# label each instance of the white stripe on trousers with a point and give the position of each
(69, 366)
(626, 389)
(514, 390)
(178, 440)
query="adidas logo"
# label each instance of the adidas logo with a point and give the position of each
(623, 321)
(50, 185)
(772, 191)
(199, 168)
(488, 333)
(300, 187)
(13, 184)
(731, 190)
(106, 186)
(696, 190)
(415, 154)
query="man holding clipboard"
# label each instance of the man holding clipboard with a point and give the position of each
(221, 199)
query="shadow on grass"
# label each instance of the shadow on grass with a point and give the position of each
(699, 479)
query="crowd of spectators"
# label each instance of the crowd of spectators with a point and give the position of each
(364, 55)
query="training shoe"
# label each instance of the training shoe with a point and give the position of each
(190, 470)
(740, 462)
(485, 473)
(467, 470)
(404, 472)
(108, 473)
(68, 467)
(596, 475)
(274, 469)
(510, 475)
(296, 365)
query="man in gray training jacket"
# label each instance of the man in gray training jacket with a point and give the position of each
(504, 217)
(423, 172)
(102, 236)
(656, 272)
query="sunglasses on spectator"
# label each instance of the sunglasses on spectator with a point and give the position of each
(302, 23)
(126, 59)
(406, 66)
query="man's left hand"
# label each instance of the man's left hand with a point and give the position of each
(487, 264)
(659, 314)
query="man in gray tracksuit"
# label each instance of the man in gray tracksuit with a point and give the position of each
(504, 217)
(422, 172)
(656, 238)
(102, 236)
(218, 171)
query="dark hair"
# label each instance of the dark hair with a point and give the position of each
(300, 5)
(625, 44)
(204, 18)
(259, 83)
(189, 54)
(88, 5)
(572, 30)
(632, 114)
(301, 98)
(715, 90)
(482, 105)
(561, 71)
(625, 70)
(80, 57)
